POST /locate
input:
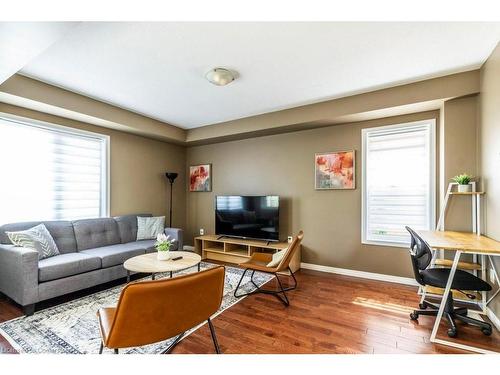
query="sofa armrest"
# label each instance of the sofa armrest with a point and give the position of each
(178, 234)
(19, 274)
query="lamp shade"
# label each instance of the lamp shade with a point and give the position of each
(171, 176)
(220, 76)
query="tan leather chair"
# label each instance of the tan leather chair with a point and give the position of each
(259, 261)
(153, 311)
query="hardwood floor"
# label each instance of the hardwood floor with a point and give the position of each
(328, 314)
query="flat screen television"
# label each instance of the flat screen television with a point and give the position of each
(251, 217)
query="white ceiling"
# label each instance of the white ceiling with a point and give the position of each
(20, 42)
(157, 69)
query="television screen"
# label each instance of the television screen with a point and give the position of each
(255, 217)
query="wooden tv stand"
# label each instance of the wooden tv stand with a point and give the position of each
(233, 250)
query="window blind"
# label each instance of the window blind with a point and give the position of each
(398, 182)
(50, 173)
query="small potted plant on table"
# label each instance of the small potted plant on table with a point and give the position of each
(162, 245)
(463, 181)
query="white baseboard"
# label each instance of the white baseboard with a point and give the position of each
(361, 274)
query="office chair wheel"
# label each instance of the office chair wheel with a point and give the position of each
(486, 331)
(422, 306)
(414, 316)
(452, 332)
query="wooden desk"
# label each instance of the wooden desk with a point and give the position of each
(460, 242)
(463, 241)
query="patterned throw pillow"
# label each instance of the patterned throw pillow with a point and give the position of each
(37, 238)
(277, 258)
(149, 227)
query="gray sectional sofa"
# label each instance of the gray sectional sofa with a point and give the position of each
(92, 252)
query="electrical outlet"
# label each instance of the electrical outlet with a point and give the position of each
(202, 231)
(492, 276)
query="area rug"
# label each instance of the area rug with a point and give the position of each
(72, 328)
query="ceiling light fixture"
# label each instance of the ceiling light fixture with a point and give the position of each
(220, 76)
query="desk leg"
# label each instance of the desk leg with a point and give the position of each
(199, 267)
(495, 275)
(441, 311)
(170, 274)
(128, 276)
(447, 291)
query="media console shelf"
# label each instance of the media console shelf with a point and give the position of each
(237, 251)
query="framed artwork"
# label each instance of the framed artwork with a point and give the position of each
(335, 170)
(200, 177)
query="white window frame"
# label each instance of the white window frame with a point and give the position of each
(105, 151)
(432, 186)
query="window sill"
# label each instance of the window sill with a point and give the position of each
(386, 244)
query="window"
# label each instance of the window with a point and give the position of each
(398, 182)
(51, 172)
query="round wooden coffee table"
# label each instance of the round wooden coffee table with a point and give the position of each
(148, 263)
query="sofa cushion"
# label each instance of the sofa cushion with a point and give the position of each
(93, 233)
(37, 238)
(116, 254)
(148, 228)
(65, 265)
(148, 245)
(127, 226)
(61, 231)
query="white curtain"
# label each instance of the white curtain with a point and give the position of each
(399, 182)
(50, 173)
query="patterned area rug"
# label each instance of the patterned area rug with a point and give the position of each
(72, 328)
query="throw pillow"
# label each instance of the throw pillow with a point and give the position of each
(277, 258)
(37, 238)
(149, 227)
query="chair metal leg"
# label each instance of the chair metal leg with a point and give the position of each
(172, 345)
(426, 312)
(214, 337)
(472, 321)
(294, 281)
(259, 289)
(239, 283)
(116, 351)
(101, 347)
(450, 320)
(460, 311)
(285, 301)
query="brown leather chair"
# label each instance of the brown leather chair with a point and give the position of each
(153, 311)
(259, 261)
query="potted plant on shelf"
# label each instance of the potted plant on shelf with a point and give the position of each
(463, 180)
(162, 245)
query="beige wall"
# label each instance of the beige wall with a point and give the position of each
(489, 153)
(337, 110)
(284, 165)
(137, 168)
(459, 155)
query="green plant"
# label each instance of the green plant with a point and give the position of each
(462, 179)
(163, 246)
(163, 243)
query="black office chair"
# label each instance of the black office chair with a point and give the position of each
(421, 257)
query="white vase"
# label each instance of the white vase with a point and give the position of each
(163, 255)
(464, 188)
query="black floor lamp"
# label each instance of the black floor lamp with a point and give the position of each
(171, 177)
